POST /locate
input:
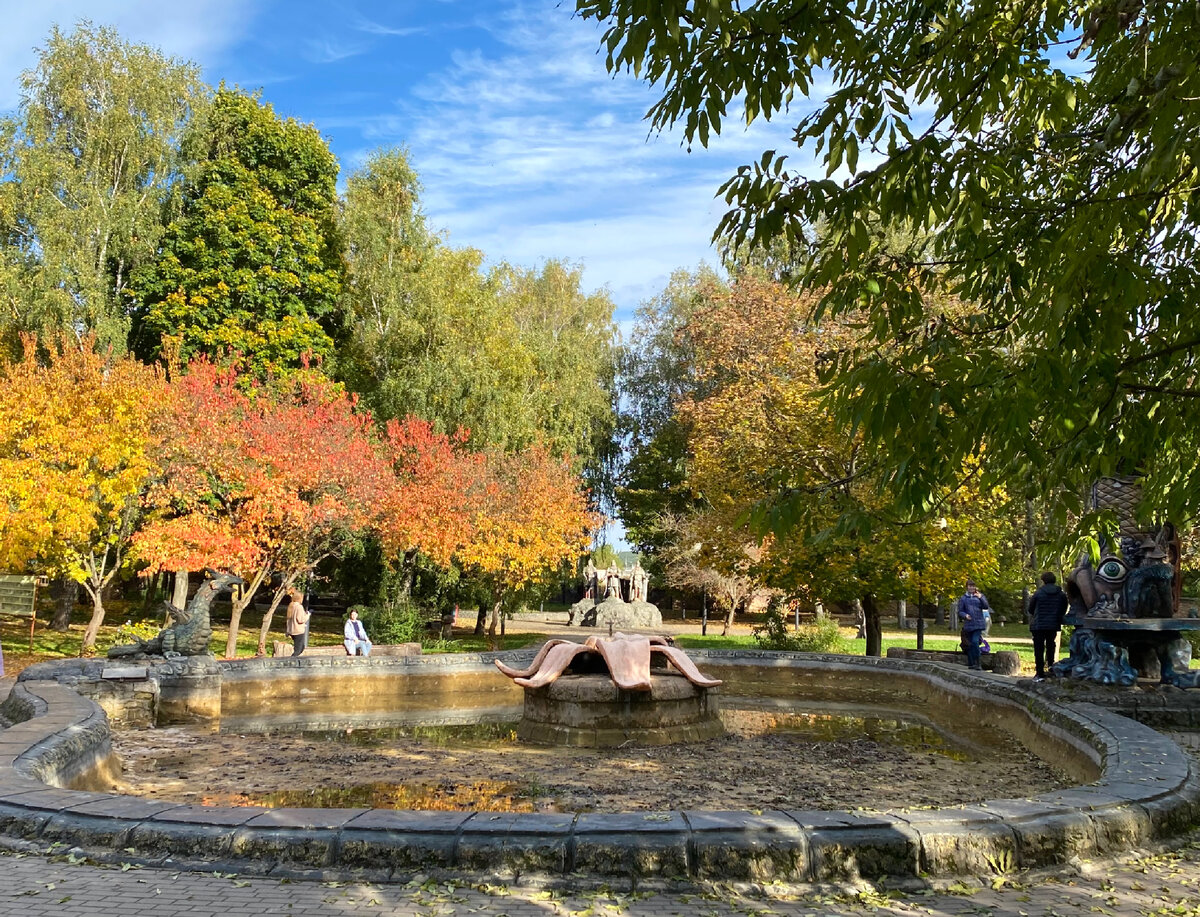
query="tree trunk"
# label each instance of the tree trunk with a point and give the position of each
(408, 573)
(180, 595)
(481, 620)
(733, 607)
(241, 599)
(93, 628)
(872, 625)
(495, 622)
(66, 594)
(266, 622)
(902, 613)
(151, 592)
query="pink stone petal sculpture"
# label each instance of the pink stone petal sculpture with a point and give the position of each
(537, 661)
(628, 662)
(626, 655)
(686, 667)
(555, 664)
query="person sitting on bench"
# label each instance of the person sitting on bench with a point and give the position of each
(356, 636)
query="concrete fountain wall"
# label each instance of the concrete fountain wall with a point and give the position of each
(1136, 785)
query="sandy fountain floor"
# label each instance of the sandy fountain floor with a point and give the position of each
(755, 765)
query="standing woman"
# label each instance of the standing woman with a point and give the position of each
(970, 611)
(297, 622)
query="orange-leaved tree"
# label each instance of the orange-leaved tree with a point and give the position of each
(77, 436)
(263, 480)
(532, 515)
(432, 507)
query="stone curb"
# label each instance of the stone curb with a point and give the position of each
(1147, 788)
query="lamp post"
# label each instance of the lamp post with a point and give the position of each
(920, 597)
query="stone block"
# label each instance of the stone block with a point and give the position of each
(509, 845)
(401, 840)
(850, 854)
(180, 839)
(1118, 829)
(963, 841)
(747, 846)
(634, 844)
(1045, 834)
(88, 830)
(286, 845)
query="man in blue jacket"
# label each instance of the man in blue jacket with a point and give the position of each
(1046, 611)
(970, 611)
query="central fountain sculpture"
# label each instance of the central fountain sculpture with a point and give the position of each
(617, 690)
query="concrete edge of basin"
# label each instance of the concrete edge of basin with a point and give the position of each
(1147, 790)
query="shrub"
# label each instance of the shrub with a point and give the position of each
(822, 636)
(396, 622)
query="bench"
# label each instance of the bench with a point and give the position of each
(283, 648)
(1001, 662)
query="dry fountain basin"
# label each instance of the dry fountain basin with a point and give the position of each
(1134, 784)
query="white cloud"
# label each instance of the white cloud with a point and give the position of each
(198, 30)
(535, 151)
(329, 51)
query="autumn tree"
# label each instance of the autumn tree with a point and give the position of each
(251, 263)
(657, 372)
(531, 517)
(432, 505)
(77, 449)
(721, 562)
(85, 166)
(768, 456)
(1042, 156)
(262, 479)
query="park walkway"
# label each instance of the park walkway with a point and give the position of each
(1160, 883)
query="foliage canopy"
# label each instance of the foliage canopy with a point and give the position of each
(1043, 154)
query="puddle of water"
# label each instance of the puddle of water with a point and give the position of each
(471, 735)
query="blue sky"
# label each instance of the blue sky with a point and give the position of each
(526, 147)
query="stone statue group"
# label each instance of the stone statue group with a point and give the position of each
(599, 585)
(615, 597)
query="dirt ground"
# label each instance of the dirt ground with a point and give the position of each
(751, 767)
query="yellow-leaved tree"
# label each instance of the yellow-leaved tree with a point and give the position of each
(766, 450)
(530, 515)
(76, 437)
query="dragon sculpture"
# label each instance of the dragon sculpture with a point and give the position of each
(189, 630)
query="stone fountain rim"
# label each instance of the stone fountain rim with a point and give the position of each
(1148, 788)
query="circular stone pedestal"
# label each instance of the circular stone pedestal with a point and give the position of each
(589, 711)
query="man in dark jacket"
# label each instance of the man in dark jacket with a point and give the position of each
(1046, 610)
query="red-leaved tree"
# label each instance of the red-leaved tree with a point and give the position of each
(262, 480)
(438, 485)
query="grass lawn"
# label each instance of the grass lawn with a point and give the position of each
(325, 630)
